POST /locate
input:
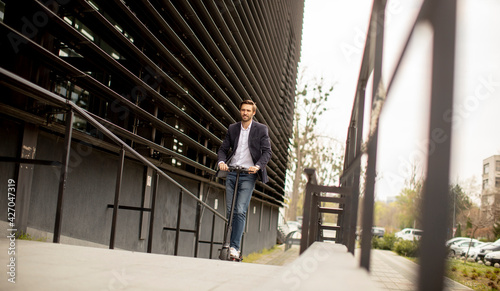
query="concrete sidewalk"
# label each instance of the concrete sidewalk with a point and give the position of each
(49, 266)
(392, 272)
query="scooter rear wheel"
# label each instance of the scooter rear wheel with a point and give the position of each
(224, 254)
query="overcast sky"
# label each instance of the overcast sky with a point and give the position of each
(332, 43)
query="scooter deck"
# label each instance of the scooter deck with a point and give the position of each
(235, 259)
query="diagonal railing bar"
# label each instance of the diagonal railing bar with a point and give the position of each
(16, 82)
(382, 96)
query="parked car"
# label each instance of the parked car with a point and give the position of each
(473, 252)
(409, 234)
(493, 257)
(455, 240)
(486, 250)
(378, 231)
(460, 248)
(293, 225)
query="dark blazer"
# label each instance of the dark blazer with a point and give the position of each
(259, 145)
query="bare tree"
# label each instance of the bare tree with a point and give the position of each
(308, 148)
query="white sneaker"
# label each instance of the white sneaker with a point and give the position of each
(233, 253)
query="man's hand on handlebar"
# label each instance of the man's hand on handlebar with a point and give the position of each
(223, 167)
(253, 170)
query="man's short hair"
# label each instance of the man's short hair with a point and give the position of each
(249, 102)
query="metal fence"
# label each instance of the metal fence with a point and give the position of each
(441, 15)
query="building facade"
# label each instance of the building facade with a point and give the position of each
(490, 194)
(165, 77)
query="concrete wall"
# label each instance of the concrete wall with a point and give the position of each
(91, 188)
(10, 135)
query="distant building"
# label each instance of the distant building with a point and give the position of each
(490, 194)
(390, 199)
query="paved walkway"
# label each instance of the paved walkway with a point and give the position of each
(388, 270)
(48, 266)
(392, 272)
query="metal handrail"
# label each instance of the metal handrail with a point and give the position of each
(16, 82)
(441, 15)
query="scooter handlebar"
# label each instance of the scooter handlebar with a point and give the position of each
(237, 169)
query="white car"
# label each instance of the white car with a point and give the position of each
(409, 234)
(493, 257)
(460, 248)
(456, 240)
(473, 252)
(294, 225)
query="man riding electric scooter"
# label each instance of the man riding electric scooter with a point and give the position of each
(242, 158)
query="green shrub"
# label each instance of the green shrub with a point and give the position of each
(387, 242)
(384, 243)
(26, 236)
(406, 248)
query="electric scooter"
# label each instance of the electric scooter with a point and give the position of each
(224, 252)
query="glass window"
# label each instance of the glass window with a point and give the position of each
(2, 10)
(486, 168)
(485, 183)
(498, 166)
(497, 182)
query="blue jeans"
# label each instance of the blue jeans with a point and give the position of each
(246, 184)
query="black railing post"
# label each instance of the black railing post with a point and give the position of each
(306, 216)
(199, 214)
(152, 214)
(353, 217)
(212, 236)
(368, 203)
(197, 229)
(313, 225)
(64, 175)
(119, 177)
(436, 187)
(377, 35)
(347, 181)
(178, 228)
